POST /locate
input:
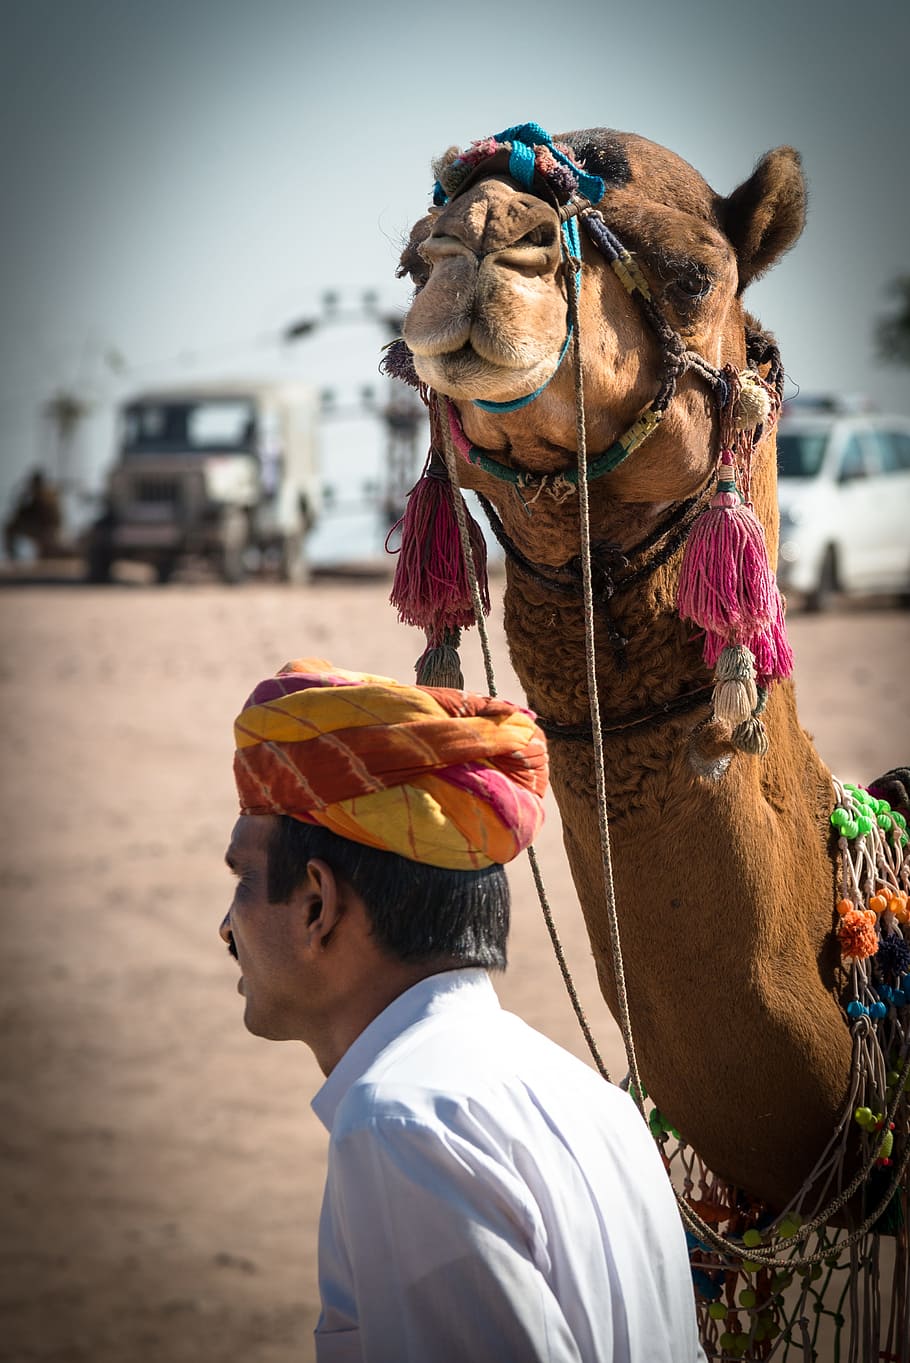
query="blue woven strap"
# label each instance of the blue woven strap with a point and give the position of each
(532, 135)
(521, 164)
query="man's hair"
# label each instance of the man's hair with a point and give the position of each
(417, 913)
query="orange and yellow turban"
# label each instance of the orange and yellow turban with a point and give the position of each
(437, 775)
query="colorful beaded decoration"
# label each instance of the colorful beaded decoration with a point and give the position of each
(768, 1306)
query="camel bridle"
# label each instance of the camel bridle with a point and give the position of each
(676, 359)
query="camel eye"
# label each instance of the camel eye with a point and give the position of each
(690, 286)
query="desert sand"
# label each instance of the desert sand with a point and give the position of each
(162, 1168)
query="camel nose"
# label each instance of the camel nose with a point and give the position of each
(494, 219)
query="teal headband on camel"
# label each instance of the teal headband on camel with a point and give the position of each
(532, 151)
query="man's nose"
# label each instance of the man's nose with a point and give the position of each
(224, 932)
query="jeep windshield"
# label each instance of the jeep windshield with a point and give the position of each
(225, 425)
(800, 453)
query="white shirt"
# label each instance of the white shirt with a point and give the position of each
(490, 1199)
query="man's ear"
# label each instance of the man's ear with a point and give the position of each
(766, 214)
(321, 901)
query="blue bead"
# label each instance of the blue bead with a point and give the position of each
(855, 1009)
(878, 1010)
(900, 997)
(886, 992)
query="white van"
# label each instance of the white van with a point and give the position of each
(844, 495)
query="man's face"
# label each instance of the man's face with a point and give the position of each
(269, 940)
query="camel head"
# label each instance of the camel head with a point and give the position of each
(488, 322)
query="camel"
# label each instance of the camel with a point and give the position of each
(724, 860)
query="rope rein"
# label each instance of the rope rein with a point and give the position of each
(593, 699)
(451, 459)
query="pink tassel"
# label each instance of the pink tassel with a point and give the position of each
(773, 654)
(726, 585)
(431, 587)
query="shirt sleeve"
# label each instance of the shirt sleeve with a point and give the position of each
(431, 1251)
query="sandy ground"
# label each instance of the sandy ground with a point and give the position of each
(162, 1169)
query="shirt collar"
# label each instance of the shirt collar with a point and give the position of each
(437, 993)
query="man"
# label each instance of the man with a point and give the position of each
(489, 1198)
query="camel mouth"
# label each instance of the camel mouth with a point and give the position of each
(468, 372)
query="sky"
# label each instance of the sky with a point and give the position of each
(184, 178)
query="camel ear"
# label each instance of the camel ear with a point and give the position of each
(766, 214)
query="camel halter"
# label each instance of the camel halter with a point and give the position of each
(534, 157)
(726, 586)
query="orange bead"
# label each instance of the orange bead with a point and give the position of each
(844, 906)
(878, 903)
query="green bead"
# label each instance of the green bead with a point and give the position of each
(884, 822)
(850, 829)
(863, 1116)
(717, 1310)
(728, 1341)
(747, 1298)
(839, 817)
(899, 818)
(791, 1224)
(752, 1237)
(864, 825)
(749, 1266)
(905, 838)
(815, 1273)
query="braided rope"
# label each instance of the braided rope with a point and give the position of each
(451, 459)
(593, 698)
